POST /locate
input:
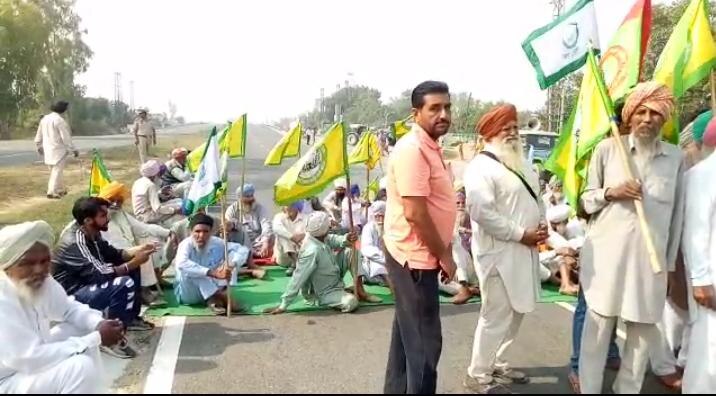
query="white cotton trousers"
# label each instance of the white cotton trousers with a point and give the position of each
(635, 355)
(674, 332)
(56, 184)
(700, 372)
(496, 331)
(78, 374)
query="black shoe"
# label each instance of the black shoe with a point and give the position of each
(140, 324)
(121, 351)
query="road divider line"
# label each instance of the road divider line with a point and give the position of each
(569, 307)
(161, 374)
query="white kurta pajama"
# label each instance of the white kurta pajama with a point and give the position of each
(501, 209)
(147, 206)
(125, 232)
(615, 272)
(38, 358)
(699, 245)
(371, 248)
(55, 138)
(284, 228)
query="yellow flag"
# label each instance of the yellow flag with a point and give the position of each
(688, 57)
(400, 127)
(366, 151)
(99, 175)
(326, 161)
(233, 142)
(288, 146)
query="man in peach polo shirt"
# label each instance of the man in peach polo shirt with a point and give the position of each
(419, 221)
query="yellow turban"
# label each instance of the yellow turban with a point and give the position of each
(114, 190)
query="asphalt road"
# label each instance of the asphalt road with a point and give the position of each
(329, 352)
(20, 152)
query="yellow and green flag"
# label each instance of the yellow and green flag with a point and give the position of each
(590, 119)
(688, 57)
(99, 175)
(326, 161)
(288, 146)
(232, 142)
(400, 128)
(367, 151)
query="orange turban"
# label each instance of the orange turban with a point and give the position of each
(652, 95)
(113, 191)
(492, 123)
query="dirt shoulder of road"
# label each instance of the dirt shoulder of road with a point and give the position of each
(24, 187)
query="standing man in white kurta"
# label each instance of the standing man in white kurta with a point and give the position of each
(699, 246)
(616, 275)
(506, 212)
(54, 143)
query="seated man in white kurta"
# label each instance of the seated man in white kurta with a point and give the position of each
(289, 226)
(371, 246)
(50, 341)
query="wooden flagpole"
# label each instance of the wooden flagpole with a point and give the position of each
(226, 254)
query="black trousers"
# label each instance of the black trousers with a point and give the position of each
(416, 341)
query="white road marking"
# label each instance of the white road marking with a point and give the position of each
(161, 374)
(570, 308)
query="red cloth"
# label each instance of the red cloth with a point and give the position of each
(491, 124)
(710, 134)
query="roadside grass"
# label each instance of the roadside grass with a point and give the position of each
(23, 188)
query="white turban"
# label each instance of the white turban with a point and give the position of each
(383, 183)
(17, 239)
(378, 207)
(340, 183)
(558, 213)
(150, 168)
(318, 224)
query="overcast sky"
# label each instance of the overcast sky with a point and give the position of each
(217, 59)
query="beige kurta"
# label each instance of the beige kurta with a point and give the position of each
(616, 276)
(501, 209)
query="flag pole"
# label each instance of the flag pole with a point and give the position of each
(627, 164)
(225, 233)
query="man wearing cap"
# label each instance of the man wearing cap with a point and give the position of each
(127, 233)
(177, 177)
(319, 270)
(699, 247)
(203, 275)
(372, 247)
(256, 223)
(333, 202)
(144, 134)
(290, 229)
(507, 215)
(563, 245)
(145, 198)
(54, 143)
(50, 341)
(615, 272)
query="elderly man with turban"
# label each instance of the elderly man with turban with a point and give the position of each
(290, 229)
(333, 202)
(615, 271)
(319, 270)
(145, 198)
(50, 341)
(372, 248)
(254, 229)
(357, 206)
(126, 232)
(177, 177)
(699, 247)
(464, 284)
(506, 213)
(559, 262)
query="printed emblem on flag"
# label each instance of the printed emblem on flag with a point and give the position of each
(313, 168)
(570, 39)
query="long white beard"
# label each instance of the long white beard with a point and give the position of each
(25, 293)
(511, 154)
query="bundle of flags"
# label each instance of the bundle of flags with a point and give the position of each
(208, 181)
(689, 57)
(99, 175)
(231, 142)
(326, 161)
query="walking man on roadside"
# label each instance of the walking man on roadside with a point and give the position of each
(419, 221)
(54, 143)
